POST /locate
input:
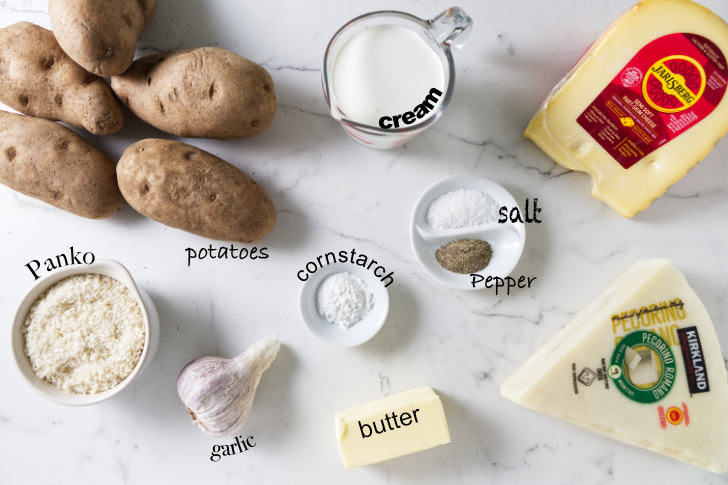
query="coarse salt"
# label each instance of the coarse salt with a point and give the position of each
(462, 208)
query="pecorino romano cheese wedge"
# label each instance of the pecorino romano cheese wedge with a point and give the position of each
(641, 364)
(643, 106)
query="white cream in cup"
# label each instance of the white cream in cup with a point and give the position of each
(388, 76)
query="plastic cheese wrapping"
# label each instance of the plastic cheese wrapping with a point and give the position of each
(641, 364)
(643, 106)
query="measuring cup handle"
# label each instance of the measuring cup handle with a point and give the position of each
(451, 28)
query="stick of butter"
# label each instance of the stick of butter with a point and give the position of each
(396, 425)
(643, 106)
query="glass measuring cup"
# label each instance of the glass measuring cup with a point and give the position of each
(451, 28)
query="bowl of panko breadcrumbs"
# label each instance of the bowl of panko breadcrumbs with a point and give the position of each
(83, 333)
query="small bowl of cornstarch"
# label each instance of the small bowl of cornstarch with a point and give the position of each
(83, 333)
(344, 305)
(455, 231)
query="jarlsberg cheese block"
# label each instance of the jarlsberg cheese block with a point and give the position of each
(641, 364)
(643, 106)
(393, 426)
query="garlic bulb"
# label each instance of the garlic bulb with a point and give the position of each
(218, 393)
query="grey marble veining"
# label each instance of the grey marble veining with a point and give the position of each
(333, 194)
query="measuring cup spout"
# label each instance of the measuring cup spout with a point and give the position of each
(451, 28)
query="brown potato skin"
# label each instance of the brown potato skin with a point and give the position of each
(199, 93)
(100, 35)
(184, 187)
(37, 78)
(49, 162)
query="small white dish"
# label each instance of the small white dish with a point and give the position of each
(105, 267)
(331, 333)
(507, 240)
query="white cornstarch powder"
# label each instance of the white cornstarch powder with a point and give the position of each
(85, 334)
(462, 208)
(344, 299)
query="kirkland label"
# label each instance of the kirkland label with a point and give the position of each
(669, 86)
(692, 351)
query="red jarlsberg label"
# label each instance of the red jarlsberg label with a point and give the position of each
(670, 85)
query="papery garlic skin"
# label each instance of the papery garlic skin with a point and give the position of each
(219, 393)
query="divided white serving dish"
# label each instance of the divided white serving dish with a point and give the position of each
(361, 331)
(105, 267)
(507, 240)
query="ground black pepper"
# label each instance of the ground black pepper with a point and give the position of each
(464, 256)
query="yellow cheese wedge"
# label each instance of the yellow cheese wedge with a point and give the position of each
(393, 426)
(643, 106)
(673, 399)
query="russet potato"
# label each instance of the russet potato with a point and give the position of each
(47, 161)
(199, 93)
(100, 35)
(37, 78)
(184, 187)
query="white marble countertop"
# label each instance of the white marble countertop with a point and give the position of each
(333, 194)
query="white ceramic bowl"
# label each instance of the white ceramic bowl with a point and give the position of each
(507, 240)
(361, 331)
(106, 267)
